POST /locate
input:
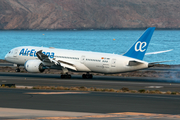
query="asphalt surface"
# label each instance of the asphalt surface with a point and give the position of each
(94, 102)
(30, 79)
(88, 102)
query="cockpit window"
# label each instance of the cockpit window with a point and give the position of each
(10, 52)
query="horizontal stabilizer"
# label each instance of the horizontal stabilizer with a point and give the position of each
(158, 52)
(134, 63)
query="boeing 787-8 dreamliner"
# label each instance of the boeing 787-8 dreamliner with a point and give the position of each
(37, 59)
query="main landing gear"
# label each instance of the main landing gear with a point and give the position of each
(18, 69)
(87, 76)
(65, 74)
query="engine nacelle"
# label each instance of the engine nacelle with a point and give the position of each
(34, 66)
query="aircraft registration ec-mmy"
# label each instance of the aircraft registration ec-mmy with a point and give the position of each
(37, 59)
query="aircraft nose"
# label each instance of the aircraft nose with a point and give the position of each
(6, 56)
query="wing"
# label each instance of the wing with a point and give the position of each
(48, 61)
(42, 57)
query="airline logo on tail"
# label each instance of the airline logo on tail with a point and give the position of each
(139, 46)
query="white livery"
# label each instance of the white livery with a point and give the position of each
(37, 59)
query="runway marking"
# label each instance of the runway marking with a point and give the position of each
(24, 87)
(154, 87)
(55, 93)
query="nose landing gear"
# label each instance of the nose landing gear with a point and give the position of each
(18, 69)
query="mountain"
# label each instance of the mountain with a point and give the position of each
(89, 14)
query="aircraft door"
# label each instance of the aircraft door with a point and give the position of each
(83, 59)
(113, 63)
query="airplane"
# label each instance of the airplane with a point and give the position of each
(37, 59)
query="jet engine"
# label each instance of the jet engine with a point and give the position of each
(34, 66)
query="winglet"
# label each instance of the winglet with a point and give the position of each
(139, 48)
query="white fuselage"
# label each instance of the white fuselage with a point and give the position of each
(80, 60)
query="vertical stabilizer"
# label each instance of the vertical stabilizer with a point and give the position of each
(140, 46)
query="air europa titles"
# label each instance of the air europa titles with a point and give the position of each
(32, 53)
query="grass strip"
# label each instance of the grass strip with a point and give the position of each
(83, 88)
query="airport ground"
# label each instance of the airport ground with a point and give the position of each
(59, 104)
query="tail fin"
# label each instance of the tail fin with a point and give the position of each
(140, 46)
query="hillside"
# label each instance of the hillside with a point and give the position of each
(89, 14)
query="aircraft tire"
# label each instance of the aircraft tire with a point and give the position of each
(87, 76)
(17, 70)
(84, 76)
(62, 76)
(90, 76)
(69, 76)
(66, 76)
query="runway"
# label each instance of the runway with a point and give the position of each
(88, 102)
(133, 83)
(92, 103)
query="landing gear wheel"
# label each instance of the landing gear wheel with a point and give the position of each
(91, 76)
(87, 76)
(62, 76)
(17, 70)
(66, 76)
(84, 76)
(69, 76)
